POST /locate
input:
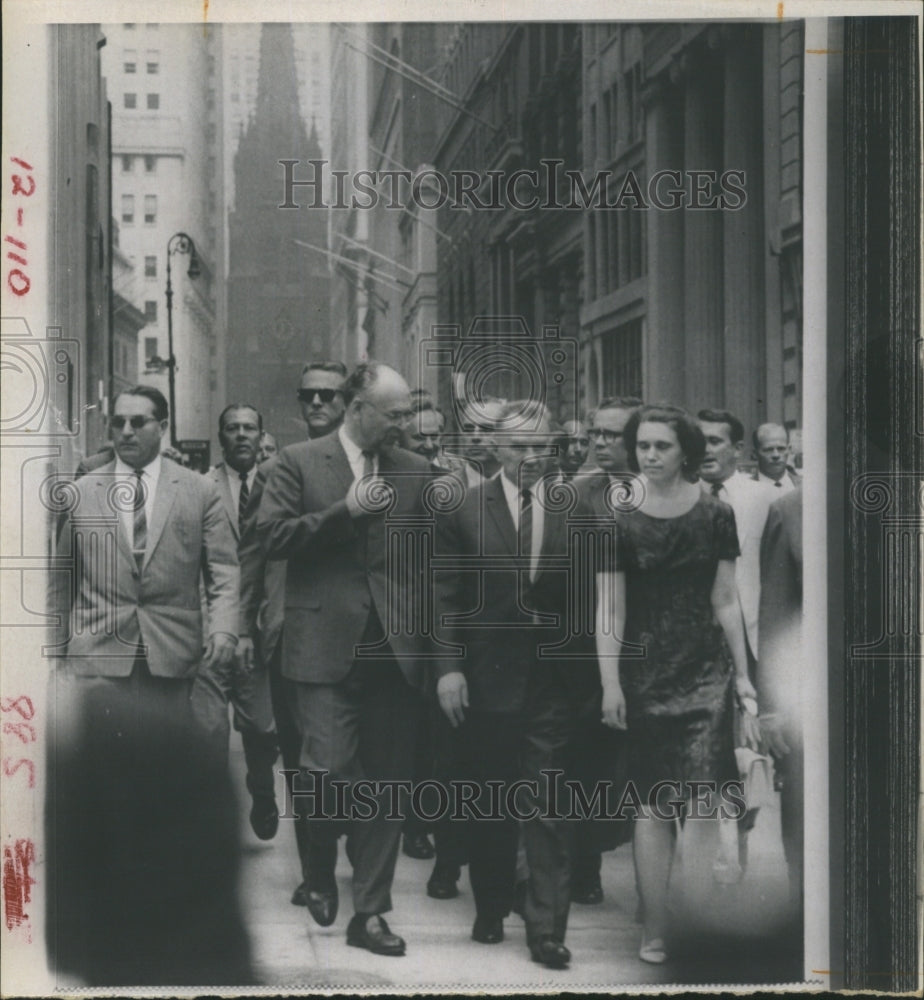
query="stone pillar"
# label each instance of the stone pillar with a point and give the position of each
(702, 234)
(663, 349)
(743, 230)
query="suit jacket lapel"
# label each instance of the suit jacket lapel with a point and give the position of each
(341, 474)
(496, 504)
(224, 485)
(105, 480)
(163, 501)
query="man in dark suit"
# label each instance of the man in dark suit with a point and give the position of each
(502, 592)
(263, 584)
(356, 673)
(124, 592)
(244, 682)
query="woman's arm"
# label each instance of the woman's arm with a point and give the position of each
(608, 631)
(728, 613)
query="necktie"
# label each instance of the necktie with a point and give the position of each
(140, 522)
(526, 528)
(778, 484)
(242, 503)
(368, 463)
(716, 489)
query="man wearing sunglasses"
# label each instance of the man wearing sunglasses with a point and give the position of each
(330, 508)
(320, 396)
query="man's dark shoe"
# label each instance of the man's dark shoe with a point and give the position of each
(442, 883)
(322, 905)
(488, 930)
(264, 817)
(300, 896)
(587, 893)
(550, 952)
(372, 933)
(417, 845)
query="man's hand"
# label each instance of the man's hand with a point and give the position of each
(452, 691)
(220, 650)
(369, 495)
(614, 707)
(245, 653)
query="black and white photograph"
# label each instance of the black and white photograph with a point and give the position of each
(462, 498)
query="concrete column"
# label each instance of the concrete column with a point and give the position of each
(743, 230)
(703, 298)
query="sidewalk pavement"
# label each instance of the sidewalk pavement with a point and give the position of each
(733, 934)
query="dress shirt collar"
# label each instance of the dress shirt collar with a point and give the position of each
(151, 471)
(783, 485)
(354, 453)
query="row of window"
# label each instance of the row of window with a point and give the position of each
(621, 120)
(130, 101)
(128, 209)
(130, 61)
(128, 164)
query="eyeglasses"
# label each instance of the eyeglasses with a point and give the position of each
(138, 421)
(608, 437)
(325, 395)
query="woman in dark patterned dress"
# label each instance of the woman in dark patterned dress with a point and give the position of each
(673, 681)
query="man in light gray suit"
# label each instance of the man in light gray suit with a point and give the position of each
(126, 771)
(244, 681)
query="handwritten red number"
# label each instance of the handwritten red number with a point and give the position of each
(18, 185)
(16, 729)
(22, 283)
(10, 767)
(16, 705)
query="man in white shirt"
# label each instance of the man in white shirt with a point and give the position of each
(772, 453)
(243, 682)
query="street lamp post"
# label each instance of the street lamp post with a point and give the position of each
(178, 243)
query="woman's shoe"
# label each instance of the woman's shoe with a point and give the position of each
(653, 951)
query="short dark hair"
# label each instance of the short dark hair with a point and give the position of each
(614, 403)
(690, 435)
(338, 367)
(161, 410)
(755, 440)
(238, 406)
(735, 427)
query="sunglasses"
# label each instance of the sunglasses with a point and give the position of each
(325, 395)
(608, 437)
(137, 422)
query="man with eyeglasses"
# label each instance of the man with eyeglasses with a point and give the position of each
(242, 683)
(331, 507)
(130, 554)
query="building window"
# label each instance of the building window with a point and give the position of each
(150, 348)
(153, 61)
(128, 164)
(150, 267)
(130, 100)
(150, 209)
(150, 310)
(130, 61)
(153, 102)
(150, 164)
(622, 360)
(128, 209)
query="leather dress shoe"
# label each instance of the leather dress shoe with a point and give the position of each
(488, 930)
(588, 894)
(264, 817)
(550, 952)
(373, 933)
(417, 845)
(300, 896)
(322, 905)
(442, 883)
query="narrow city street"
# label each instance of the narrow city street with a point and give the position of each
(722, 934)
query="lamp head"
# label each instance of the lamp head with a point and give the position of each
(195, 268)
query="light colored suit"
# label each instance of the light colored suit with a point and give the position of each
(108, 609)
(750, 501)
